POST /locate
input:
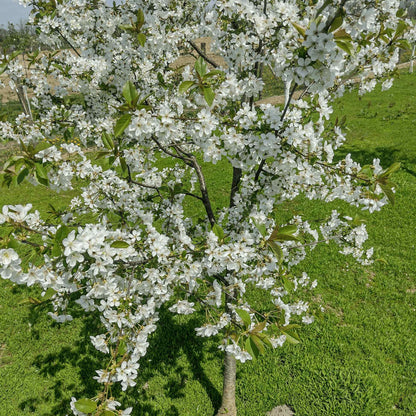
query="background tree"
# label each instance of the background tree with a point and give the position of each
(147, 232)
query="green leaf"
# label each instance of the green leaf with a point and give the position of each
(342, 35)
(123, 164)
(218, 231)
(404, 44)
(344, 46)
(288, 284)
(255, 352)
(22, 175)
(266, 340)
(390, 170)
(130, 93)
(209, 95)
(140, 18)
(261, 228)
(119, 244)
(293, 339)
(3, 67)
(288, 229)
(284, 233)
(201, 66)
(245, 316)
(56, 250)
(184, 86)
(299, 28)
(357, 221)
(258, 342)
(62, 233)
(249, 349)
(286, 237)
(41, 174)
(141, 37)
(128, 28)
(12, 243)
(401, 27)
(12, 161)
(401, 13)
(388, 191)
(336, 23)
(161, 80)
(277, 250)
(100, 155)
(122, 348)
(214, 72)
(259, 327)
(107, 141)
(48, 294)
(85, 405)
(121, 124)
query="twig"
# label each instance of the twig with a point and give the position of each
(202, 54)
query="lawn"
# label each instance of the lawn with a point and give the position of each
(358, 358)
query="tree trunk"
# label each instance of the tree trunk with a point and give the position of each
(228, 406)
(412, 59)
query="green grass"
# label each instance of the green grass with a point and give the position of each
(9, 110)
(358, 359)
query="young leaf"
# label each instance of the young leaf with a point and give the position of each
(184, 86)
(388, 191)
(140, 18)
(41, 174)
(259, 327)
(293, 337)
(342, 35)
(299, 28)
(336, 23)
(22, 175)
(62, 233)
(245, 316)
(218, 231)
(214, 72)
(258, 342)
(209, 95)
(288, 284)
(277, 250)
(254, 348)
(284, 233)
(141, 37)
(288, 229)
(344, 46)
(48, 294)
(121, 125)
(119, 244)
(390, 170)
(130, 93)
(248, 347)
(201, 67)
(85, 405)
(261, 228)
(107, 141)
(56, 250)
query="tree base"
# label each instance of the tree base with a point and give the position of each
(227, 411)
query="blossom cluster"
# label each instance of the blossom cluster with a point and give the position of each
(132, 243)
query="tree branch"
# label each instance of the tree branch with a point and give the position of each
(202, 54)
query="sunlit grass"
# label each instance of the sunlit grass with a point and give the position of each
(358, 359)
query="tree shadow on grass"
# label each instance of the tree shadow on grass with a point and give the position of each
(175, 352)
(80, 355)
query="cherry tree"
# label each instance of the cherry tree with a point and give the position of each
(148, 129)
